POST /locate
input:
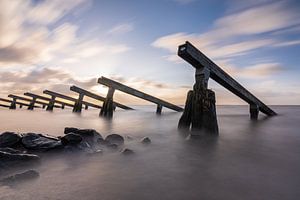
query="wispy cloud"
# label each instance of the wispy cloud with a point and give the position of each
(121, 28)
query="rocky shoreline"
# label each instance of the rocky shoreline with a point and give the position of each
(23, 149)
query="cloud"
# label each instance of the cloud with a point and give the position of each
(121, 28)
(288, 43)
(25, 36)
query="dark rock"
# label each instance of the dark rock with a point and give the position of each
(35, 141)
(112, 146)
(71, 139)
(10, 150)
(17, 157)
(127, 151)
(128, 137)
(146, 140)
(88, 135)
(21, 177)
(9, 139)
(70, 130)
(115, 139)
(101, 141)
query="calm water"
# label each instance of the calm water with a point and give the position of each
(249, 160)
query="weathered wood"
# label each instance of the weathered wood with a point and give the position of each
(3, 105)
(96, 96)
(197, 59)
(62, 96)
(121, 87)
(18, 103)
(28, 100)
(50, 100)
(158, 109)
(108, 104)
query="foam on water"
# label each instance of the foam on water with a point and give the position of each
(249, 160)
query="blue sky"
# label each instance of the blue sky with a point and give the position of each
(54, 44)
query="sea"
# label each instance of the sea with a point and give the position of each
(249, 160)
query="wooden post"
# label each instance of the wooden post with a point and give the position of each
(51, 104)
(62, 106)
(158, 109)
(20, 106)
(78, 104)
(13, 104)
(108, 105)
(44, 106)
(254, 110)
(31, 105)
(86, 107)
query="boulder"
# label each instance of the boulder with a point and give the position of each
(70, 130)
(9, 139)
(115, 139)
(10, 150)
(21, 177)
(146, 140)
(71, 139)
(127, 151)
(17, 159)
(112, 146)
(40, 142)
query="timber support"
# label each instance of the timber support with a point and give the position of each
(108, 104)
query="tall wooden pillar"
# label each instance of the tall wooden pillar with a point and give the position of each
(31, 104)
(108, 105)
(78, 103)
(254, 110)
(51, 104)
(199, 114)
(158, 109)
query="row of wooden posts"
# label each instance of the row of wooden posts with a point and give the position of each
(106, 105)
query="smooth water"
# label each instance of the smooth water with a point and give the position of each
(249, 160)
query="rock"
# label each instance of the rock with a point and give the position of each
(35, 141)
(146, 140)
(128, 137)
(89, 135)
(112, 146)
(9, 139)
(18, 157)
(70, 130)
(127, 151)
(17, 178)
(115, 139)
(10, 150)
(71, 139)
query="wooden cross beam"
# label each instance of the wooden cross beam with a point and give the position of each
(62, 96)
(114, 85)
(14, 101)
(32, 101)
(206, 67)
(95, 96)
(51, 101)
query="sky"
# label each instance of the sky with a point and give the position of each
(53, 44)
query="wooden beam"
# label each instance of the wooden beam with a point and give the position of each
(121, 87)
(27, 99)
(62, 96)
(95, 96)
(47, 99)
(198, 60)
(19, 103)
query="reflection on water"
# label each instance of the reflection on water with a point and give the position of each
(249, 160)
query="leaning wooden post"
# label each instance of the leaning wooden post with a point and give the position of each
(108, 105)
(158, 109)
(51, 104)
(254, 110)
(13, 104)
(31, 105)
(78, 103)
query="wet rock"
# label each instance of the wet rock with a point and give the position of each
(16, 159)
(21, 177)
(71, 139)
(10, 150)
(40, 142)
(70, 130)
(112, 146)
(127, 151)
(128, 137)
(9, 139)
(88, 135)
(115, 139)
(146, 140)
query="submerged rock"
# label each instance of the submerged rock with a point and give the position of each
(16, 159)
(90, 136)
(9, 139)
(35, 141)
(127, 151)
(10, 150)
(71, 139)
(115, 139)
(21, 177)
(70, 130)
(146, 140)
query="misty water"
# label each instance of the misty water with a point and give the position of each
(249, 160)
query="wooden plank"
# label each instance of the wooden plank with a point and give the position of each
(62, 96)
(27, 99)
(137, 93)
(19, 103)
(47, 99)
(95, 96)
(198, 60)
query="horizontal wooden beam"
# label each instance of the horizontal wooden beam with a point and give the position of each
(121, 87)
(19, 103)
(27, 99)
(95, 96)
(62, 96)
(198, 60)
(46, 99)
